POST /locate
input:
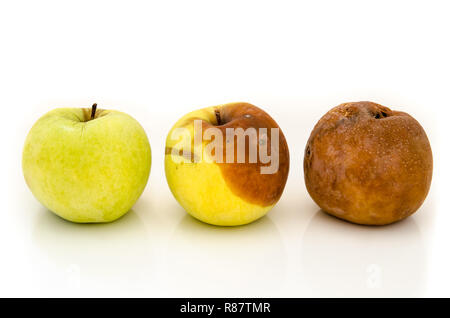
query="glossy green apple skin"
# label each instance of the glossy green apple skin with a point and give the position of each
(87, 171)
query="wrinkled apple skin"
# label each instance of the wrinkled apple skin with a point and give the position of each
(86, 170)
(367, 164)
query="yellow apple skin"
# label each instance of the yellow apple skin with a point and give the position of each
(203, 193)
(201, 187)
(87, 171)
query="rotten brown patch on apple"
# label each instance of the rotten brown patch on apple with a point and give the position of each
(245, 179)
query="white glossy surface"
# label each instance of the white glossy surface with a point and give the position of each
(157, 61)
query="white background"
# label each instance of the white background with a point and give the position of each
(160, 60)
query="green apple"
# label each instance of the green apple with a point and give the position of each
(87, 165)
(225, 192)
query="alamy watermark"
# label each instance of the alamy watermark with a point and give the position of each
(208, 146)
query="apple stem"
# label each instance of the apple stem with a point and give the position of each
(94, 108)
(217, 112)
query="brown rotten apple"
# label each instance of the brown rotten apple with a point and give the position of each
(367, 164)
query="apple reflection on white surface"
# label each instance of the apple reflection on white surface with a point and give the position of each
(341, 259)
(84, 259)
(211, 261)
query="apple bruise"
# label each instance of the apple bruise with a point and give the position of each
(188, 155)
(368, 164)
(245, 179)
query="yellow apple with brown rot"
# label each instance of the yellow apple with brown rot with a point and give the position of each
(368, 164)
(214, 186)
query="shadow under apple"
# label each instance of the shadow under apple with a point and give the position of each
(212, 261)
(108, 258)
(341, 259)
